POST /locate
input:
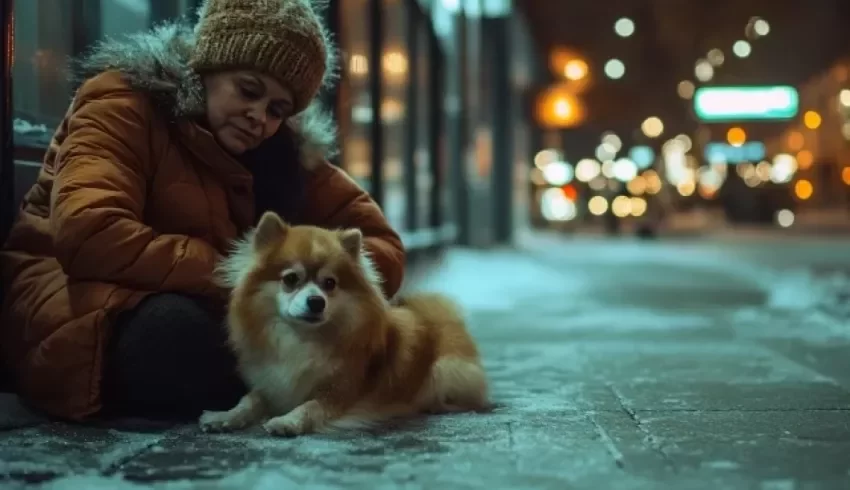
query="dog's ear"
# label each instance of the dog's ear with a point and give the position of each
(351, 241)
(271, 229)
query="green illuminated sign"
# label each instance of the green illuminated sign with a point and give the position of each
(746, 103)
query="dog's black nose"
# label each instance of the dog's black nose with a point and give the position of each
(316, 304)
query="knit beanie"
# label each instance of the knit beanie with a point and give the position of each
(282, 38)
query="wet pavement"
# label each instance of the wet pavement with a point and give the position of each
(614, 365)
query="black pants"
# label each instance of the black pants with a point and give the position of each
(168, 359)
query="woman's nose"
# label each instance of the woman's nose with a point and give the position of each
(257, 113)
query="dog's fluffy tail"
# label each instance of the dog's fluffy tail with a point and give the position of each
(457, 381)
(456, 385)
(432, 308)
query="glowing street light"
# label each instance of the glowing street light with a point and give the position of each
(742, 49)
(736, 137)
(611, 139)
(715, 57)
(757, 27)
(844, 97)
(803, 189)
(811, 119)
(624, 27)
(575, 69)
(558, 107)
(686, 89)
(652, 127)
(703, 70)
(615, 69)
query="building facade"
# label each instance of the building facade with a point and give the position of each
(818, 141)
(432, 103)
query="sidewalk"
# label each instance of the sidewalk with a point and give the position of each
(610, 371)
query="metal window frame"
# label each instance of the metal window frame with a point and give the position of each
(497, 63)
(376, 129)
(411, 133)
(432, 232)
(85, 25)
(459, 132)
(7, 143)
(436, 119)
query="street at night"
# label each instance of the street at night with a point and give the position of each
(618, 365)
(642, 208)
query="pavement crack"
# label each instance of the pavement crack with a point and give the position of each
(116, 465)
(649, 439)
(511, 438)
(512, 445)
(608, 442)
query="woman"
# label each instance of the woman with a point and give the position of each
(176, 141)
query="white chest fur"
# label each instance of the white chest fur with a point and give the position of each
(289, 377)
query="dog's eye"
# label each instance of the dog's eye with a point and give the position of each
(328, 283)
(290, 279)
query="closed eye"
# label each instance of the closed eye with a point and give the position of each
(250, 93)
(276, 111)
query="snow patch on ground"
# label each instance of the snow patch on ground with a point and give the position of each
(801, 305)
(494, 280)
(796, 290)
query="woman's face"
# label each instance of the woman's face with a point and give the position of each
(244, 108)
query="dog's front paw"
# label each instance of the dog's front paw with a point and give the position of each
(221, 421)
(293, 424)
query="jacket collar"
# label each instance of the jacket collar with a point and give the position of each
(156, 62)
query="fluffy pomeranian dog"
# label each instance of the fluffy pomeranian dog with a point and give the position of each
(320, 347)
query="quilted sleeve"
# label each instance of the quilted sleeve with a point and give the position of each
(98, 200)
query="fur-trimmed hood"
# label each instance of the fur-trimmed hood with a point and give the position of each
(156, 62)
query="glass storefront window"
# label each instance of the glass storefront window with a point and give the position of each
(522, 65)
(41, 90)
(394, 81)
(422, 152)
(449, 137)
(119, 17)
(448, 118)
(48, 33)
(356, 115)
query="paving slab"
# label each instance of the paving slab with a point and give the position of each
(804, 446)
(55, 449)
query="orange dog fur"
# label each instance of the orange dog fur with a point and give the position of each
(320, 347)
